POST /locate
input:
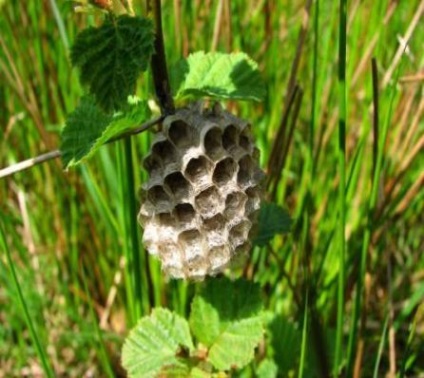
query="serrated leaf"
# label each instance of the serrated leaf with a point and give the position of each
(226, 318)
(112, 56)
(153, 344)
(223, 76)
(88, 128)
(273, 220)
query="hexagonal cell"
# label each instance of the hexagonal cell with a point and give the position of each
(253, 203)
(215, 230)
(169, 252)
(219, 256)
(153, 164)
(192, 243)
(240, 255)
(209, 202)
(234, 205)
(217, 222)
(230, 137)
(239, 233)
(159, 198)
(181, 134)
(245, 171)
(224, 171)
(245, 140)
(165, 219)
(197, 269)
(178, 186)
(198, 170)
(212, 142)
(166, 151)
(185, 214)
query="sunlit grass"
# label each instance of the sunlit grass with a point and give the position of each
(68, 232)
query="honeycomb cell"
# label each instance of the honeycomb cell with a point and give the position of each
(209, 202)
(185, 214)
(224, 171)
(217, 222)
(239, 232)
(166, 151)
(198, 171)
(153, 164)
(215, 230)
(165, 219)
(253, 199)
(213, 143)
(178, 186)
(245, 171)
(159, 197)
(235, 205)
(181, 134)
(245, 138)
(230, 137)
(241, 254)
(192, 243)
(219, 256)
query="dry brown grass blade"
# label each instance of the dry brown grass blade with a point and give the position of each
(408, 34)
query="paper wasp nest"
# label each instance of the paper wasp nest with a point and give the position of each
(203, 194)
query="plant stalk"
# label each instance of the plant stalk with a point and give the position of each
(158, 62)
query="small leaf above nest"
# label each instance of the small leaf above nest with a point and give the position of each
(223, 76)
(112, 56)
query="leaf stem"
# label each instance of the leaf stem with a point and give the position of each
(158, 63)
(29, 163)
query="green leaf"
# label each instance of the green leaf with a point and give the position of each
(267, 369)
(88, 128)
(273, 220)
(112, 56)
(285, 339)
(223, 76)
(226, 317)
(152, 346)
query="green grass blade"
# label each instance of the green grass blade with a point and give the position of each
(341, 193)
(34, 335)
(380, 347)
(131, 244)
(304, 345)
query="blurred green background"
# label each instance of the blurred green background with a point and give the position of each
(66, 230)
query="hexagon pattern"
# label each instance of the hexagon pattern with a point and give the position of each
(203, 193)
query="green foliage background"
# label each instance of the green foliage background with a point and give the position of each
(66, 231)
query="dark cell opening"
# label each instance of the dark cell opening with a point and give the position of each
(224, 171)
(230, 137)
(179, 134)
(166, 151)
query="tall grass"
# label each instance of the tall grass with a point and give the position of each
(346, 281)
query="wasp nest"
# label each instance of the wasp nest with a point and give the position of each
(203, 194)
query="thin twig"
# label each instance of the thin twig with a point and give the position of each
(26, 164)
